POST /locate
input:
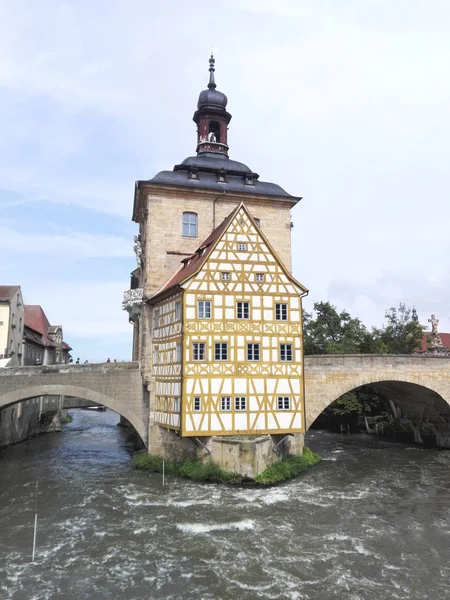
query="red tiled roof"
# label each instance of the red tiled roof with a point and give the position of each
(35, 318)
(424, 344)
(194, 263)
(33, 336)
(7, 291)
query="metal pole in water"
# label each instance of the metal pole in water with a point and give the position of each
(35, 523)
(163, 473)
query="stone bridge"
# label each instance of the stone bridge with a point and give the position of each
(416, 383)
(118, 387)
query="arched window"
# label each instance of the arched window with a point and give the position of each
(189, 224)
(214, 129)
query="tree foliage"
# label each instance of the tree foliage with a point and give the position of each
(401, 334)
(328, 331)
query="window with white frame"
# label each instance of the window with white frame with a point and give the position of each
(178, 352)
(156, 317)
(190, 221)
(225, 276)
(286, 352)
(155, 355)
(243, 310)
(176, 404)
(284, 403)
(226, 403)
(221, 351)
(204, 309)
(197, 403)
(177, 311)
(260, 277)
(242, 247)
(240, 403)
(281, 312)
(199, 350)
(252, 351)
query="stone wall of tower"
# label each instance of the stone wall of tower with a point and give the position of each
(165, 246)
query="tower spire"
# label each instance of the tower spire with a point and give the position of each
(212, 83)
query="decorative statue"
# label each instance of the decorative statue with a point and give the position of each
(434, 324)
(212, 136)
(138, 250)
(435, 341)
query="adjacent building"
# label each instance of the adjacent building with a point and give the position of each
(11, 325)
(43, 343)
(28, 339)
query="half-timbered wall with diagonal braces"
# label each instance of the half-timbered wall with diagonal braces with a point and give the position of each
(167, 335)
(242, 295)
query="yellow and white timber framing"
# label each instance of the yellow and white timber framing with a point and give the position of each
(192, 392)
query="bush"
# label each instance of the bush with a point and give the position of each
(68, 418)
(288, 467)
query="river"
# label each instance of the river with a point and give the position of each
(372, 521)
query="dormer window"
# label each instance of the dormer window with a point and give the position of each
(189, 224)
(222, 176)
(193, 173)
(249, 179)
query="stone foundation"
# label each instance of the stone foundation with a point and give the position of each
(247, 455)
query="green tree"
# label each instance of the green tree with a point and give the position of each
(401, 334)
(331, 332)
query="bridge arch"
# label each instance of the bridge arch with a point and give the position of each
(410, 393)
(33, 391)
(406, 380)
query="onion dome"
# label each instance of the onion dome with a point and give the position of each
(212, 118)
(212, 98)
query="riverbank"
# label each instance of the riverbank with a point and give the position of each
(197, 470)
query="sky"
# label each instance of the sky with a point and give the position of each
(343, 102)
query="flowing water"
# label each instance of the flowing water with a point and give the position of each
(371, 521)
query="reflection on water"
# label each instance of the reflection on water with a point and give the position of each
(371, 521)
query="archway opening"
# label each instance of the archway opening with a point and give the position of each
(397, 410)
(27, 413)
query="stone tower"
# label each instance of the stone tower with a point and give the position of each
(178, 209)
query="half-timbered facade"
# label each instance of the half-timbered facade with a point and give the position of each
(227, 338)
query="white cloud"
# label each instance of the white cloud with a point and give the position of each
(71, 243)
(85, 309)
(342, 102)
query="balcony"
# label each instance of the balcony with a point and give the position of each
(132, 302)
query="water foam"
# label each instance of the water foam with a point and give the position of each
(197, 528)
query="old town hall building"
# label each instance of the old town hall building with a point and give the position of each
(217, 314)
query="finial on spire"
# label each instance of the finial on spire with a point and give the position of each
(212, 83)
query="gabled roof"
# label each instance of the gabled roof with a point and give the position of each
(192, 264)
(7, 292)
(35, 318)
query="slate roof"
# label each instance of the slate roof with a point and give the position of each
(208, 166)
(7, 292)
